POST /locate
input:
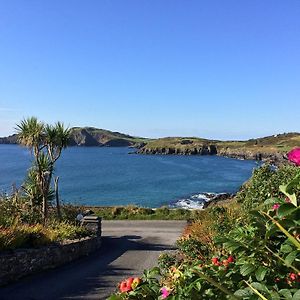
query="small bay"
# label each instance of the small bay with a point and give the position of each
(104, 176)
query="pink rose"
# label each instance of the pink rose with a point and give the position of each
(164, 293)
(294, 156)
(276, 206)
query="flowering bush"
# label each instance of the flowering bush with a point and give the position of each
(259, 260)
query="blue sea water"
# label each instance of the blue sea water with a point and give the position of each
(111, 176)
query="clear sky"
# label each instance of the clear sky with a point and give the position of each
(219, 69)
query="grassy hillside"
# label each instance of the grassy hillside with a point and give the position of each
(261, 148)
(274, 143)
(90, 136)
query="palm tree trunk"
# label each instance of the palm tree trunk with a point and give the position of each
(57, 197)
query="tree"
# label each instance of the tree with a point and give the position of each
(46, 143)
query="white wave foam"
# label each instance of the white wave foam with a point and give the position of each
(196, 201)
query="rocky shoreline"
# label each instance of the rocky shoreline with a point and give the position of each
(214, 150)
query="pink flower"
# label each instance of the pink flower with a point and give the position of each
(287, 200)
(294, 156)
(164, 293)
(276, 206)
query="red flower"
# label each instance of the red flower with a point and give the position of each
(215, 261)
(126, 285)
(294, 156)
(230, 259)
(276, 206)
(293, 276)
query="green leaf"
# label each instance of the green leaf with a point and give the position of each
(282, 229)
(261, 273)
(274, 295)
(286, 248)
(232, 245)
(296, 296)
(258, 286)
(287, 189)
(286, 209)
(291, 257)
(247, 269)
(286, 294)
(256, 291)
(243, 293)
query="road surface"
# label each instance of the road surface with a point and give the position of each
(128, 247)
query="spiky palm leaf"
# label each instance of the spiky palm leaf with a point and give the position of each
(56, 138)
(30, 132)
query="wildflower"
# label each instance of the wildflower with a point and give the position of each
(294, 156)
(276, 206)
(124, 288)
(164, 293)
(126, 285)
(293, 276)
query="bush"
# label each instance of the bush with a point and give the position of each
(28, 236)
(264, 184)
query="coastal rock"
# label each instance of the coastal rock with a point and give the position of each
(246, 154)
(218, 198)
(204, 150)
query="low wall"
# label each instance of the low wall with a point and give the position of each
(23, 262)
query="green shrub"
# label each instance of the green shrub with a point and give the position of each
(163, 211)
(27, 236)
(264, 184)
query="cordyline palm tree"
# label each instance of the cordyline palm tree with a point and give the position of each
(46, 143)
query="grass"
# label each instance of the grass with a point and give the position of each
(132, 212)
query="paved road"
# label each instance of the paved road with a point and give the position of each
(128, 248)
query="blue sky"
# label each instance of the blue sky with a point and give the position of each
(219, 69)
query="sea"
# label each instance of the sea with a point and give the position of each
(106, 176)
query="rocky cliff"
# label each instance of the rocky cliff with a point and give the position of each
(12, 139)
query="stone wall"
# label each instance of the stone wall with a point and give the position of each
(23, 262)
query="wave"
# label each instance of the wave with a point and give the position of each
(198, 201)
